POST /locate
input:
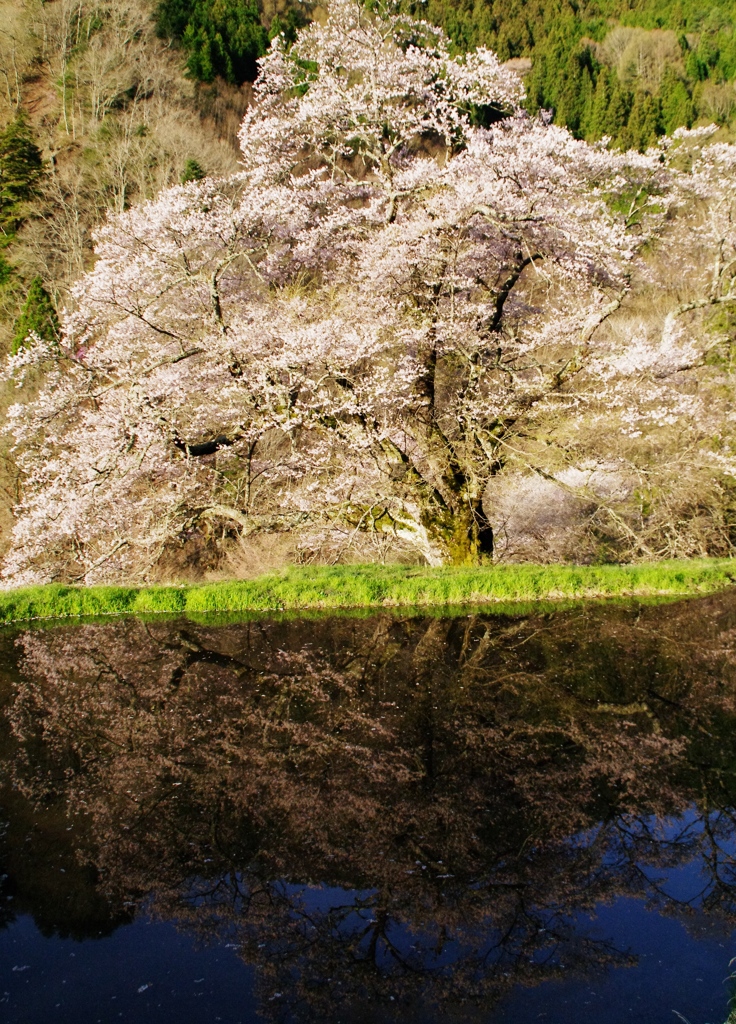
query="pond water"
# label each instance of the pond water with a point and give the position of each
(497, 818)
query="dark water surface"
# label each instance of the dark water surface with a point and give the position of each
(487, 818)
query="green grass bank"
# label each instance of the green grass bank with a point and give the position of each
(305, 588)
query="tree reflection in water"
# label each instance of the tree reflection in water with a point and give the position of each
(376, 808)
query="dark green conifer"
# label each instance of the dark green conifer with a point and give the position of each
(707, 51)
(535, 84)
(193, 171)
(568, 108)
(597, 127)
(503, 47)
(37, 315)
(676, 104)
(21, 167)
(644, 124)
(695, 69)
(6, 271)
(611, 106)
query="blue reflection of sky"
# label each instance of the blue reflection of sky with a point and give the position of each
(144, 973)
(150, 972)
(679, 969)
(682, 953)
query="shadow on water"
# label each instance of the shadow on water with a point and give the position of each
(389, 818)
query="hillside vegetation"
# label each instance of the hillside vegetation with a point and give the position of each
(98, 114)
(629, 69)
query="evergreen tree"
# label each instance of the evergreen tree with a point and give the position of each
(707, 51)
(503, 47)
(619, 108)
(37, 315)
(21, 167)
(576, 96)
(536, 91)
(597, 126)
(695, 69)
(644, 124)
(193, 171)
(558, 82)
(611, 105)
(676, 104)
(569, 105)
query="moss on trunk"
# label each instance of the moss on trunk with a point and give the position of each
(464, 534)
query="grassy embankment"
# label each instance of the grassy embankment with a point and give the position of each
(374, 586)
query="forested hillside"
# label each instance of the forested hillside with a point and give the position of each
(97, 114)
(348, 328)
(629, 69)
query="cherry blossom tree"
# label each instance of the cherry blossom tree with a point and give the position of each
(356, 329)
